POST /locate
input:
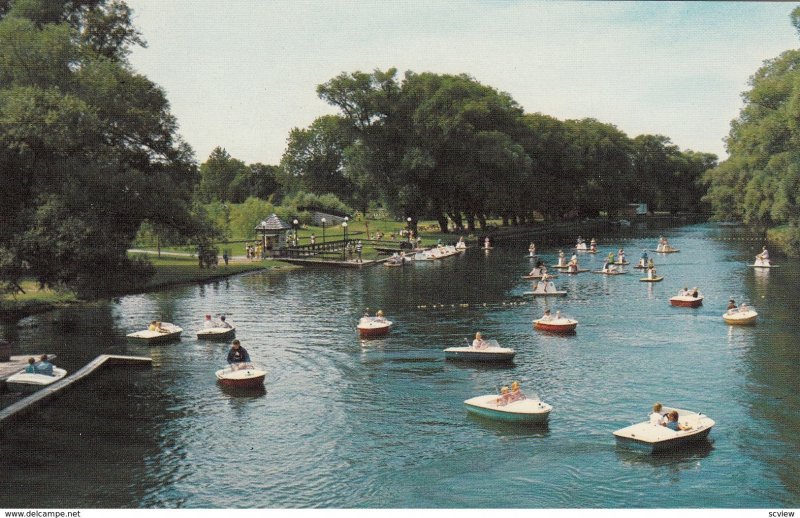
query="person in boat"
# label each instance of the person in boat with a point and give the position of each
(31, 368)
(379, 316)
(621, 256)
(684, 292)
(516, 392)
(656, 417)
(44, 366)
(651, 263)
(558, 315)
(547, 315)
(673, 424)
(479, 342)
(561, 258)
(160, 329)
(608, 265)
(238, 355)
(505, 395)
(152, 326)
(487, 243)
(573, 265)
(731, 304)
(643, 259)
(695, 293)
(763, 256)
(207, 323)
(532, 249)
(651, 273)
(593, 245)
(610, 257)
(223, 323)
(743, 308)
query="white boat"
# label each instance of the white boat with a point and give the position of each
(610, 272)
(545, 289)
(665, 249)
(170, 332)
(491, 353)
(242, 376)
(740, 316)
(530, 410)
(217, 333)
(29, 382)
(654, 437)
(763, 263)
(461, 245)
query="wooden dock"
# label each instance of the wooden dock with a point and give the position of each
(38, 398)
(325, 262)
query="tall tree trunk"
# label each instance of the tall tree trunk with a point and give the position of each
(442, 219)
(505, 220)
(470, 221)
(482, 221)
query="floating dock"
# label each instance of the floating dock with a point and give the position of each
(38, 398)
(324, 262)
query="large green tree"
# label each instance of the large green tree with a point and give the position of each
(88, 148)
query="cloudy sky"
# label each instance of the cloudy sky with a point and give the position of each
(241, 73)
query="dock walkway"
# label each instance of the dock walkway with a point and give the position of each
(38, 398)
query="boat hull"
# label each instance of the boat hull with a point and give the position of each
(241, 378)
(526, 411)
(216, 333)
(153, 337)
(374, 331)
(669, 445)
(473, 355)
(686, 302)
(565, 328)
(649, 437)
(27, 382)
(741, 320)
(654, 279)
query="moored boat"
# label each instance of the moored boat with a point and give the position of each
(654, 437)
(490, 352)
(168, 333)
(241, 375)
(530, 410)
(743, 315)
(556, 325)
(657, 278)
(30, 382)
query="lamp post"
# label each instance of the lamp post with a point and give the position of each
(323, 230)
(264, 238)
(344, 231)
(408, 219)
(295, 223)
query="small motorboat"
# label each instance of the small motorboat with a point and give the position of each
(168, 333)
(610, 272)
(622, 263)
(686, 301)
(217, 333)
(654, 437)
(492, 352)
(763, 263)
(666, 249)
(530, 410)
(371, 327)
(560, 266)
(539, 276)
(556, 325)
(657, 278)
(461, 246)
(241, 375)
(742, 316)
(30, 382)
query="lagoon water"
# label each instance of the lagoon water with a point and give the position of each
(381, 423)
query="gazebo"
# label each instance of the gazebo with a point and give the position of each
(272, 232)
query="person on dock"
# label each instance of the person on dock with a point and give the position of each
(223, 323)
(359, 248)
(238, 355)
(44, 366)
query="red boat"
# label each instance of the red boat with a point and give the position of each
(686, 301)
(371, 327)
(241, 376)
(556, 325)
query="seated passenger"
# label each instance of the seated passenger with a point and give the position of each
(379, 316)
(152, 326)
(547, 315)
(31, 368)
(207, 323)
(673, 424)
(224, 324)
(731, 304)
(695, 293)
(44, 367)
(479, 342)
(657, 418)
(505, 395)
(516, 392)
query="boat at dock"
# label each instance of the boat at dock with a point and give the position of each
(654, 437)
(530, 410)
(30, 382)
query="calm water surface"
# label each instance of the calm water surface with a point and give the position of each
(346, 423)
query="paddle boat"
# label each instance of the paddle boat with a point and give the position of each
(545, 288)
(574, 271)
(30, 382)
(562, 261)
(762, 260)
(664, 247)
(529, 410)
(687, 300)
(610, 271)
(655, 437)
(581, 245)
(487, 244)
(538, 273)
(461, 245)
(484, 351)
(241, 375)
(557, 324)
(532, 251)
(742, 316)
(656, 278)
(165, 332)
(371, 327)
(217, 333)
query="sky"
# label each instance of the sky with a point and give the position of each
(241, 74)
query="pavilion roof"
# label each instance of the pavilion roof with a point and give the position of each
(273, 223)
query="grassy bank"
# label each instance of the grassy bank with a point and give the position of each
(169, 272)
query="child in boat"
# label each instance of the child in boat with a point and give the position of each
(379, 316)
(547, 315)
(152, 326)
(621, 256)
(224, 324)
(479, 342)
(673, 424)
(593, 245)
(31, 368)
(505, 394)
(516, 392)
(657, 418)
